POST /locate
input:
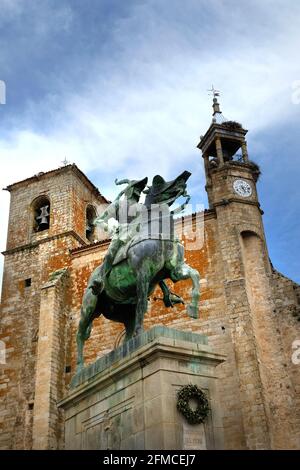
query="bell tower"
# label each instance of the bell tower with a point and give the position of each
(50, 214)
(230, 175)
(264, 386)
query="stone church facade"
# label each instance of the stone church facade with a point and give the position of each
(249, 311)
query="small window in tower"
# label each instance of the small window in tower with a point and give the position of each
(90, 228)
(27, 282)
(41, 211)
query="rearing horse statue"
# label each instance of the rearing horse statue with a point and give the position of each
(143, 253)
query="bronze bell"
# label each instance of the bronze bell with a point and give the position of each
(43, 218)
(89, 227)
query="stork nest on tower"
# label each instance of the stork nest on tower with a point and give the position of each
(256, 171)
(232, 125)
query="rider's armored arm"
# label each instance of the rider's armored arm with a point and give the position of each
(109, 213)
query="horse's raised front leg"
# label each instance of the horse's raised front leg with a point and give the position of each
(88, 307)
(170, 298)
(184, 271)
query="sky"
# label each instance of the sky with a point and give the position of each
(120, 89)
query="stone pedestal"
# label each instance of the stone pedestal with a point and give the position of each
(127, 399)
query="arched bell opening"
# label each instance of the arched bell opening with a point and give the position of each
(41, 214)
(89, 227)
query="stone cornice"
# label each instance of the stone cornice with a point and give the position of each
(222, 131)
(232, 165)
(83, 249)
(30, 246)
(225, 202)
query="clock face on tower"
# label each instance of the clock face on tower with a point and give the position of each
(242, 188)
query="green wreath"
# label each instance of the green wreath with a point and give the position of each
(183, 397)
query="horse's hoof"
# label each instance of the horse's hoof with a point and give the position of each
(167, 301)
(192, 311)
(175, 299)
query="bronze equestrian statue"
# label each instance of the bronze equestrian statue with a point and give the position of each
(143, 253)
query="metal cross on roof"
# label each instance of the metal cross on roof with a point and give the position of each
(213, 92)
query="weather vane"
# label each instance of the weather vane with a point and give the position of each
(213, 92)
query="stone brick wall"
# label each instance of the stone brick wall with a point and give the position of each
(50, 362)
(278, 398)
(69, 194)
(33, 256)
(249, 313)
(20, 332)
(286, 294)
(19, 326)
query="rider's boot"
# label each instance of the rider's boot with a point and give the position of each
(98, 284)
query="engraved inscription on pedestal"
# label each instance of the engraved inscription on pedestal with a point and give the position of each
(194, 437)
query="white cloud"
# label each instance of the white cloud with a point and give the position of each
(142, 110)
